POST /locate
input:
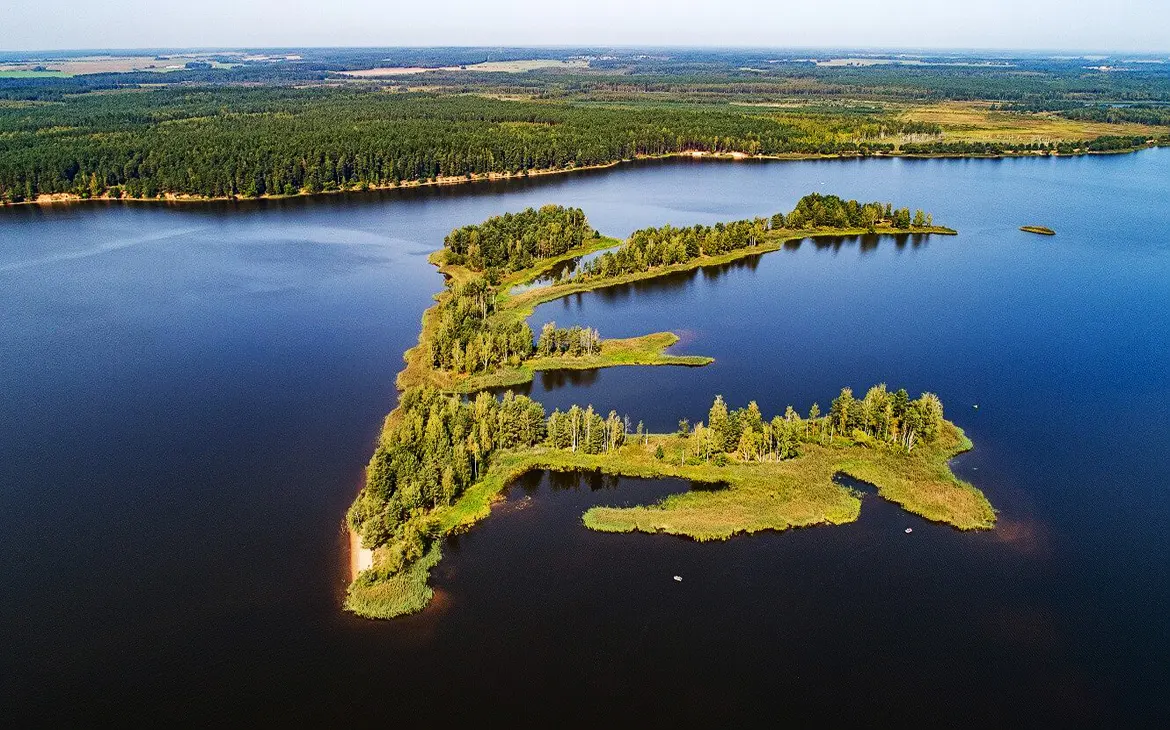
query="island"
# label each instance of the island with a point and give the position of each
(1038, 229)
(444, 456)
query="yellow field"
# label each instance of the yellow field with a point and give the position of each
(977, 122)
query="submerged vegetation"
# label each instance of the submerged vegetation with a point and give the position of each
(442, 459)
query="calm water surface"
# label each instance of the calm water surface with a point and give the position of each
(188, 396)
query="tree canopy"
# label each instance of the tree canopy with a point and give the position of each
(514, 241)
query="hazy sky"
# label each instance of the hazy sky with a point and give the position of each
(1047, 24)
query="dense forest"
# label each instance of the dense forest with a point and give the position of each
(260, 141)
(468, 339)
(434, 449)
(652, 247)
(295, 127)
(437, 445)
(514, 241)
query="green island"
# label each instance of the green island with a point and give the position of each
(444, 457)
(1043, 231)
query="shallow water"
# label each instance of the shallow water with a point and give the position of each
(188, 396)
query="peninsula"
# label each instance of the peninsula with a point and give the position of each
(442, 459)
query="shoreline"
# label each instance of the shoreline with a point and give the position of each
(418, 370)
(55, 199)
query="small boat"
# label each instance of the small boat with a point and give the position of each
(909, 530)
(1038, 229)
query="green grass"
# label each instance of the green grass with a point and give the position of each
(797, 492)
(1038, 229)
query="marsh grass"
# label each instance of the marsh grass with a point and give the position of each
(388, 596)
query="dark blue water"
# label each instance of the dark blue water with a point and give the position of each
(188, 396)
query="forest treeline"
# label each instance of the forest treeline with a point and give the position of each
(436, 446)
(1104, 143)
(667, 245)
(220, 142)
(1136, 113)
(880, 419)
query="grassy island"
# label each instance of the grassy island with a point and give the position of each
(443, 459)
(1038, 229)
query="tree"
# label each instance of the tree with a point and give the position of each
(749, 444)
(720, 424)
(839, 411)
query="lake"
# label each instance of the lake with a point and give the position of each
(189, 394)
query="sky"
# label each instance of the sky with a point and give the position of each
(1108, 25)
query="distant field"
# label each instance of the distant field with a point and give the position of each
(488, 66)
(21, 74)
(102, 64)
(977, 122)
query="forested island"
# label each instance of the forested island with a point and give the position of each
(442, 459)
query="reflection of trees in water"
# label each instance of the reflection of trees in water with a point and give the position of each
(553, 379)
(866, 242)
(561, 481)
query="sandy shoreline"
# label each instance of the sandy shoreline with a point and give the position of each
(59, 198)
(360, 558)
